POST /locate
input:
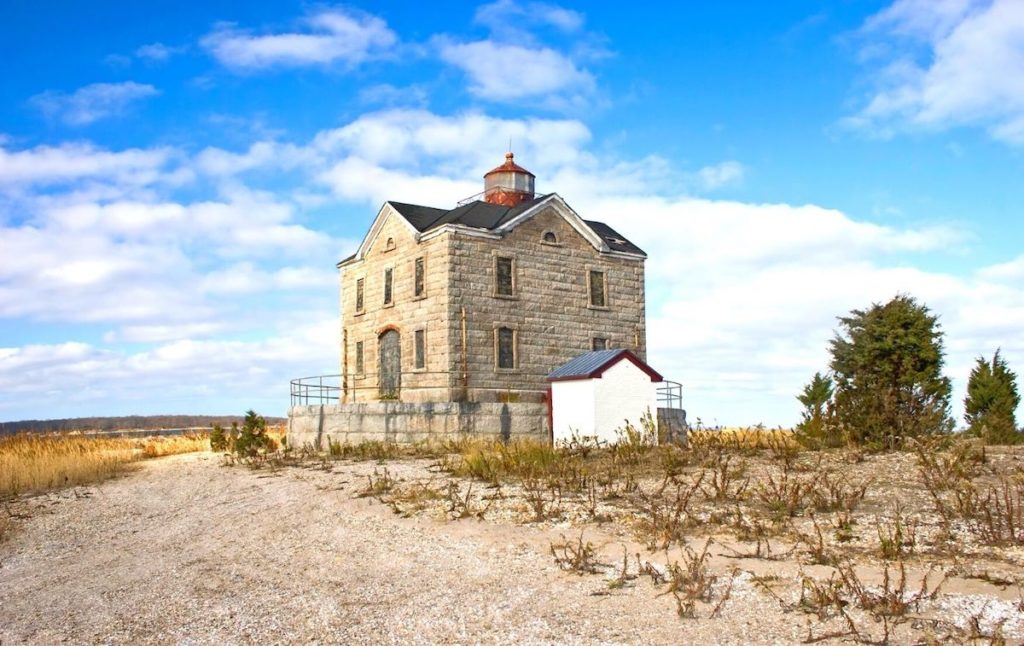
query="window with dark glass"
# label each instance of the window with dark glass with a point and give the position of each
(388, 275)
(421, 349)
(549, 236)
(418, 278)
(359, 357)
(506, 348)
(599, 343)
(597, 293)
(503, 280)
(359, 295)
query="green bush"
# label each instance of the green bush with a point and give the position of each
(991, 402)
(218, 439)
(252, 439)
(817, 427)
(887, 366)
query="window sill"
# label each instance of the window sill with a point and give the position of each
(421, 297)
(388, 305)
(599, 308)
(360, 313)
(552, 244)
(507, 371)
(506, 297)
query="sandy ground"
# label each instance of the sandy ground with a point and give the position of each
(186, 550)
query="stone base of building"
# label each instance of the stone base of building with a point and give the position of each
(672, 426)
(408, 422)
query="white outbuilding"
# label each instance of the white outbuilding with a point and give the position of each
(595, 394)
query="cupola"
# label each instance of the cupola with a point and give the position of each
(508, 184)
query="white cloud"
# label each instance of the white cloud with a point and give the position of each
(502, 14)
(183, 375)
(262, 154)
(946, 64)
(1010, 271)
(505, 72)
(332, 36)
(93, 102)
(721, 175)
(158, 52)
(76, 161)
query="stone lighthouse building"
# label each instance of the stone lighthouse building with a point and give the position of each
(452, 317)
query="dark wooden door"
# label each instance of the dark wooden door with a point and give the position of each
(390, 377)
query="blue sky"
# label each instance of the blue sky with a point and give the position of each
(177, 181)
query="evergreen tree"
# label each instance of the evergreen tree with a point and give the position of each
(991, 403)
(816, 427)
(253, 437)
(887, 365)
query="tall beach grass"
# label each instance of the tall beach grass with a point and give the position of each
(32, 463)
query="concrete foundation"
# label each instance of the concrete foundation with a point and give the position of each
(408, 422)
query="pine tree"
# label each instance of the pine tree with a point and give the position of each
(817, 427)
(991, 403)
(887, 366)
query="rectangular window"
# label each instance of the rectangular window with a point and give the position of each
(599, 343)
(359, 295)
(359, 357)
(506, 347)
(503, 283)
(421, 349)
(388, 275)
(597, 293)
(418, 280)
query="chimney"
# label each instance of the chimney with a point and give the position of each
(508, 184)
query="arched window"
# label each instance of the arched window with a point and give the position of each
(550, 237)
(389, 245)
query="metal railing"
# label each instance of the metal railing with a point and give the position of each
(328, 389)
(670, 394)
(313, 390)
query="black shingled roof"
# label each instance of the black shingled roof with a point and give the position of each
(484, 215)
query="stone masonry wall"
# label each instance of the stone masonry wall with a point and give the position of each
(406, 314)
(317, 426)
(549, 310)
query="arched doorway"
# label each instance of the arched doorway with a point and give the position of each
(390, 364)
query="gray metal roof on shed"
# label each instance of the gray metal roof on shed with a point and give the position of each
(591, 365)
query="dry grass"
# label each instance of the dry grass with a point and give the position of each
(32, 463)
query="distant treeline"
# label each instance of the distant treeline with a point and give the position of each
(147, 422)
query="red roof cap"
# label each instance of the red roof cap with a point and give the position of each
(509, 166)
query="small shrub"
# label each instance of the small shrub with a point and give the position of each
(377, 484)
(578, 557)
(252, 440)
(218, 439)
(691, 581)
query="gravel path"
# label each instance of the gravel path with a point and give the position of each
(186, 550)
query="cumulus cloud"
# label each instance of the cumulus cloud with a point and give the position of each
(938, 65)
(198, 376)
(93, 102)
(330, 36)
(515, 64)
(503, 13)
(503, 72)
(158, 52)
(44, 165)
(720, 175)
